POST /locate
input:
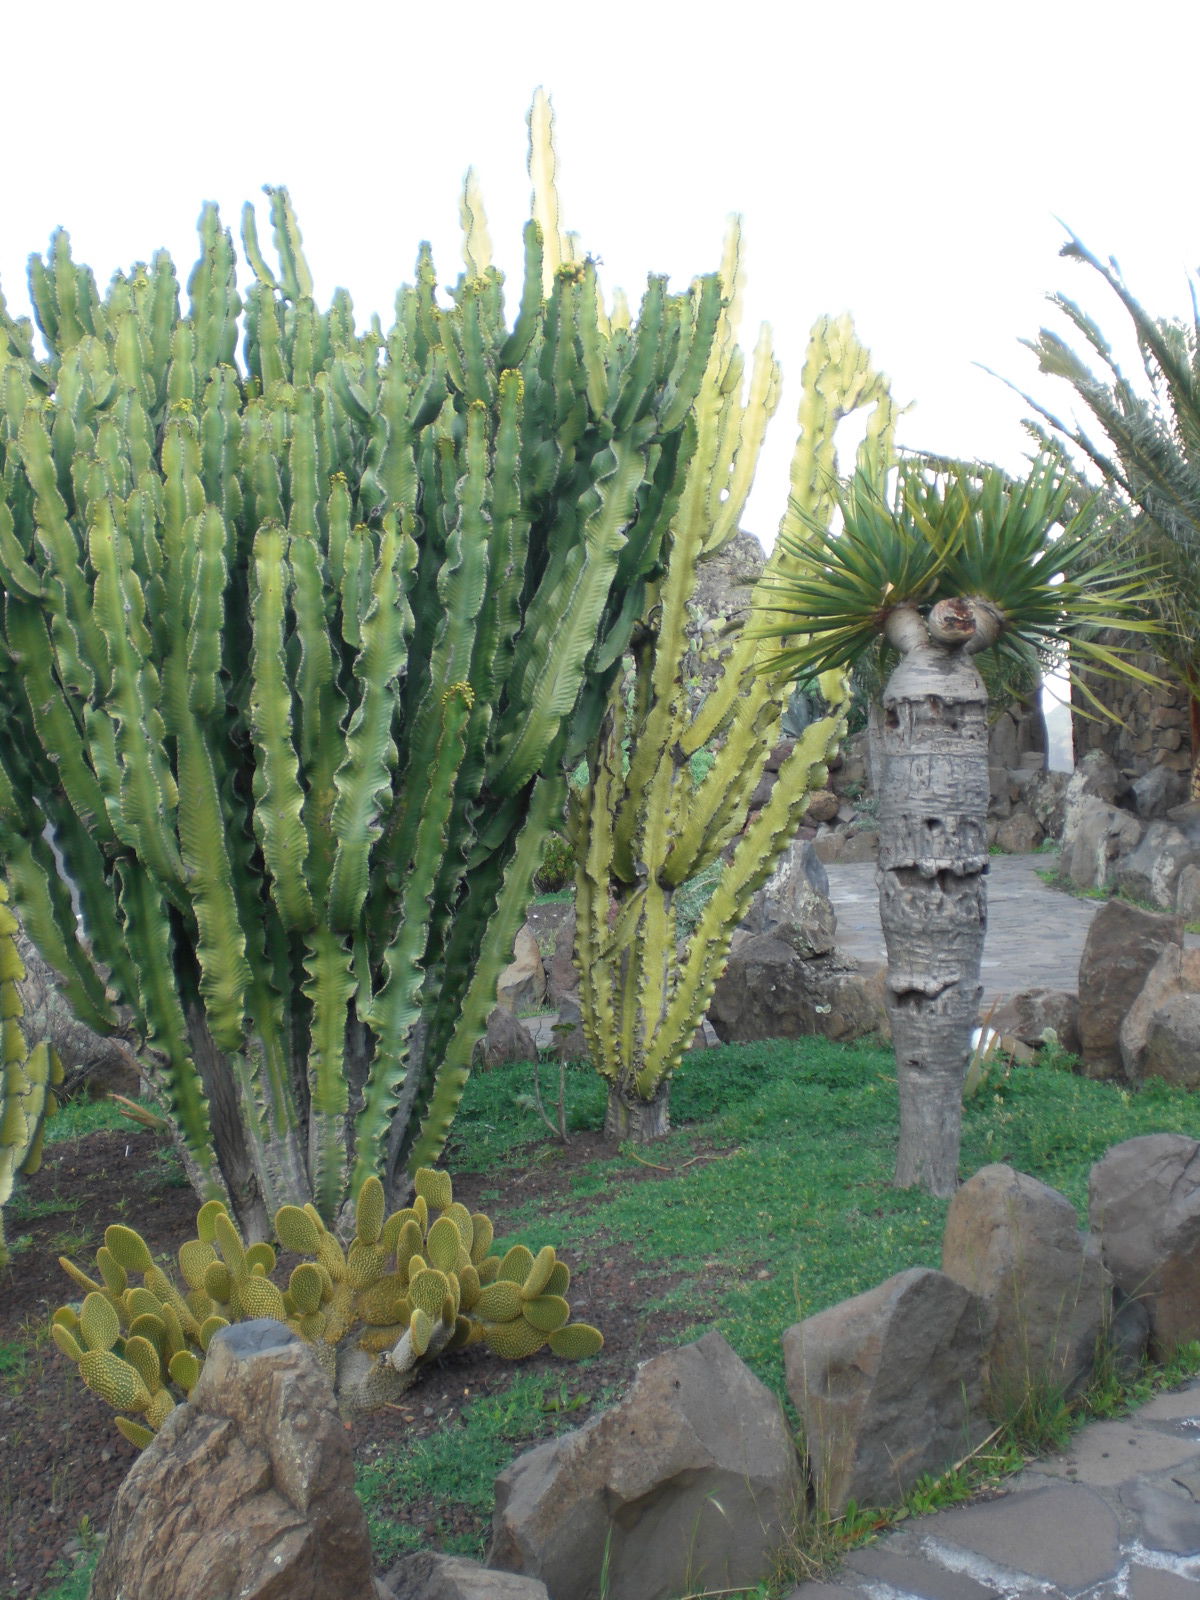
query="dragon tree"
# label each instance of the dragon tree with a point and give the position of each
(956, 562)
(301, 626)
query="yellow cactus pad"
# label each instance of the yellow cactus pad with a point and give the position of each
(369, 1212)
(365, 1264)
(66, 1341)
(296, 1231)
(162, 1403)
(194, 1258)
(306, 1287)
(259, 1297)
(152, 1328)
(384, 1302)
(143, 1356)
(499, 1302)
(376, 1340)
(539, 1273)
(434, 1187)
(426, 1292)
(547, 1313)
(577, 1341)
(260, 1258)
(421, 1331)
(461, 1218)
(444, 1247)
(116, 1280)
(99, 1324)
(218, 1282)
(482, 1234)
(138, 1436)
(206, 1220)
(127, 1247)
(114, 1380)
(184, 1370)
(559, 1280)
(516, 1265)
(209, 1328)
(513, 1340)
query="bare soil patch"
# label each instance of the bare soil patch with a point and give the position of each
(62, 1459)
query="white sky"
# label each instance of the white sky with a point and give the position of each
(901, 159)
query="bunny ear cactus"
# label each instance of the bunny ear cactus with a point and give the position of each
(28, 1078)
(646, 829)
(292, 654)
(408, 1288)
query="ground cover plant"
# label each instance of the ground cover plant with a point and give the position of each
(771, 1200)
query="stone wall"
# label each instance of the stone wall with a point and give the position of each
(1154, 723)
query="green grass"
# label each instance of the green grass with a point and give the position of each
(82, 1116)
(777, 1202)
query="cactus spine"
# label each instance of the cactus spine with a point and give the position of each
(28, 1078)
(409, 1287)
(644, 833)
(292, 655)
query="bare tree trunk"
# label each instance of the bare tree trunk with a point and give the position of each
(933, 861)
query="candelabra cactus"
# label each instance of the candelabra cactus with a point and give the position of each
(643, 829)
(292, 655)
(408, 1288)
(28, 1078)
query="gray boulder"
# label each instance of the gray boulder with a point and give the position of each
(429, 1575)
(1174, 977)
(1122, 945)
(888, 1386)
(794, 905)
(1158, 790)
(1029, 1013)
(688, 1484)
(1016, 1243)
(1151, 870)
(1020, 833)
(1144, 1204)
(1095, 834)
(247, 1490)
(1187, 894)
(522, 984)
(1173, 1042)
(506, 1039)
(769, 991)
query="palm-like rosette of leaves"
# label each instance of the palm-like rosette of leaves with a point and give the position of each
(1049, 570)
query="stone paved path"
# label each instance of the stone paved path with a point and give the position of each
(1035, 934)
(1116, 1517)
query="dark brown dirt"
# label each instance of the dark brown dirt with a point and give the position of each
(61, 1458)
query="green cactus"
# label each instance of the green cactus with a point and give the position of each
(407, 1288)
(644, 828)
(28, 1078)
(292, 656)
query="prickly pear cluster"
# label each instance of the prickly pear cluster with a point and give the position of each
(408, 1287)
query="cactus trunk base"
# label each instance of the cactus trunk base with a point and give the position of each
(629, 1118)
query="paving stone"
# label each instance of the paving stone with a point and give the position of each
(824, 1591)
(908, 1575)
(1181, 1405)
(1170, 1516)
(1067, 1536)
(1149, 1583)
(1108, 1453)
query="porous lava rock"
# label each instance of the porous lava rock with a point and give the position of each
(1122, 945)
